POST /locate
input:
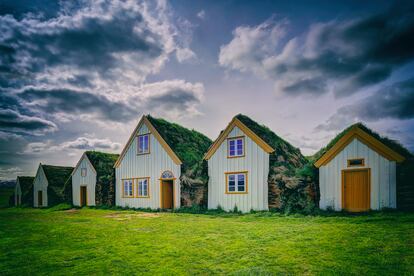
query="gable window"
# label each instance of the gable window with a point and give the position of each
(142, 187)
(128, 187)
(83, 172)
(236, 183)
(235, 147)
(357, 162)
(143, 144)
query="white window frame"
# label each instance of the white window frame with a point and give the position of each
(236, 176)
(84, 172)
(140, 187)
(236, 151)
(145, 149)
(128, 191)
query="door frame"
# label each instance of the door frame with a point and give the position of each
(343, 185)
(161, 193)
(86, 195)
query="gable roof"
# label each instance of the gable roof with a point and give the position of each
(260, 134)
(181, 144)
(389, 149)
(25, 182)
(56, 175)
(102, 162)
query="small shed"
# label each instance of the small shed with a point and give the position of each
(48, 185)
(93, 180)
(357, 171)
(23, 192)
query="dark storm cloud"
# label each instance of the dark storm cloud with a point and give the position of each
(342, 56)
(13, 121)
(174, 98)
(74, 102)
(393, 102)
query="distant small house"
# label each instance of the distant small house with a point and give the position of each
(161, 166)
(93, 179)
(246, 164)
(48, 185)
(23, 192)
(357, 171)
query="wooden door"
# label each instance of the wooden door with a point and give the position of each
(167, 195)
(356, 190)
(83, 196)
(39, 198)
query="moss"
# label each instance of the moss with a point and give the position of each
(56, 177)
(26, 185)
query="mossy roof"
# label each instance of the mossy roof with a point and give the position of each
(102, 162)
(392, 144)
(188, 145)
(57, 175)
(267, 135)
(26, 182)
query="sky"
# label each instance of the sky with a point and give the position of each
(78, 75)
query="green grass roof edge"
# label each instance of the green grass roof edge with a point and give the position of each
(57, 175)
(102, 162)
(25, 182)
(394, 145)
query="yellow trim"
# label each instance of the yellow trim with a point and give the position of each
(148, 187)
(123, 187)
(228, 148)
(167, 148)
(236, 122)
(226, 174)
(149, 144)
(367, 139)
(352, 159)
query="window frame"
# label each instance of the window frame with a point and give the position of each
(84, 170)
(246, 182)
(242, 138)
(149, 144)
(137, 187)
(358, 165)
(123, 187)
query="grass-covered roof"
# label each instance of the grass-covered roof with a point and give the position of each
(57, 175)
(26, 182)
(188, 145)
(394, 145)
(102, 162)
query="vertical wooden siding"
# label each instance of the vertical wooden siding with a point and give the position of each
(383, 177)
(89, 181)
(146, 165)
(255, 161)
(40, 184)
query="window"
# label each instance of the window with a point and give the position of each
(356, 162)
(83, 172)
(128, 188)
(235, 147)
(236, 183)
(143, 144)
(142, 187)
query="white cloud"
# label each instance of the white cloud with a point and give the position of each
(201, 14)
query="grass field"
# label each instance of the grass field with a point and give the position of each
(92, 241)
(5, 194)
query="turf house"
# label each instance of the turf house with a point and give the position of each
(162, 166)
(358, 171)
(93, 180)
(23, 192)
(250, 167)
(48, 185)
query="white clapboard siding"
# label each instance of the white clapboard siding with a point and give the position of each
(89, 181)
(146, 165)
(40, 184)
(383, 177)
(17, 193)
(255, 161)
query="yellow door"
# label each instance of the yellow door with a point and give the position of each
(356, 190)
(167, 195)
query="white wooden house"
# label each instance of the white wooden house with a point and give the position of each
(238, 169)
(48, 185)
(358, 172)
(93, 179)
(149, 169)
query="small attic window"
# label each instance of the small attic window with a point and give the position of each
(143, 144)
(83, 172)
(357, 162)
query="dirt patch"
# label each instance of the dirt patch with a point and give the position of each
(123, 216)
(72, 211)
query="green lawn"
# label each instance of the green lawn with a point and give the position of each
(5, 194)
(91, 241)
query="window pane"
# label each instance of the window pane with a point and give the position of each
(241, 183)
(232, 183)
(232, 153)
(140, 144)
(146, 143)
(239, 142)
(145, 188)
